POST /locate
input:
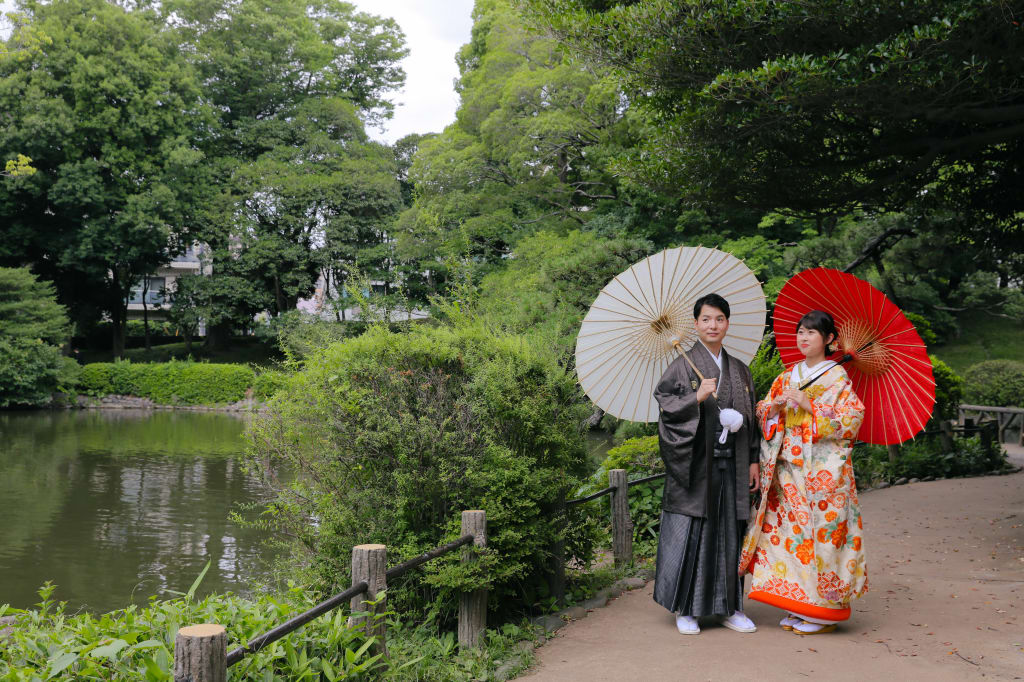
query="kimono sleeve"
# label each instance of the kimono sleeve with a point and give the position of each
(840, 418)
(678, 403)
(677, 427)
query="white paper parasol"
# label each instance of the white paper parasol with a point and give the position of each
(625, 342)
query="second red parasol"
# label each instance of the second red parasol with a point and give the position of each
(883, 353)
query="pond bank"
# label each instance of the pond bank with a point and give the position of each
(131, 402)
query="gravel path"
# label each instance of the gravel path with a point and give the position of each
(946, 570)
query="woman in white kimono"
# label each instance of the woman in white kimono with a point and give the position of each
(804, 545)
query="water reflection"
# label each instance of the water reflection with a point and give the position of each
(114, 506)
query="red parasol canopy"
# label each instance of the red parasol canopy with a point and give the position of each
(888, 363)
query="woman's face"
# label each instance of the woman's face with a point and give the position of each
(810, 342)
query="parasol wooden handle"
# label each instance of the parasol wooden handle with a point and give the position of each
(679, 349)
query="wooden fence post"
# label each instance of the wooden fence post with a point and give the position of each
(201, 654)
(622, 526)
(947, 436)
(556, 576)
(369, 563)
(473, 605)
(985, 429)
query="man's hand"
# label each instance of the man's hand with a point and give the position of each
(755, 477)
(706, 388)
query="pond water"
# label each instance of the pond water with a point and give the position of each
(116, 505)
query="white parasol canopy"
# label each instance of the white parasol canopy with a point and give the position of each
(626, 341)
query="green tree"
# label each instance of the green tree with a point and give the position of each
(293, 83)
(106, 109)
(530, 150)
(33, 326)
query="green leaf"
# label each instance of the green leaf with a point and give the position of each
(109, 650)
(61, 663)
(198, 580)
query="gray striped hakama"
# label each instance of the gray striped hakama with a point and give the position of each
(696, 555)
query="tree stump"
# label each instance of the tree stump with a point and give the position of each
(473, 605)
(622, 526)
(201, 654)
(369, 563)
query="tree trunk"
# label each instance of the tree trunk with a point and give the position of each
(886, 281)
(145, 313)
(118, 314)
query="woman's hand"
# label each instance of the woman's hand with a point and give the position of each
(797, 397)
(776, 406)
(755, 477)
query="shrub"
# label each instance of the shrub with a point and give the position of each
(267, 383)
(171, 383)
(766, 365)
(925, 457)
(32, 327)
(999, 383)
(31, 372)
(949, 390)
(401, 432)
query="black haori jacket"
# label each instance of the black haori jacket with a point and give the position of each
(682, 432)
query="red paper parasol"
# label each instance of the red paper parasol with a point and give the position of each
(887, 362)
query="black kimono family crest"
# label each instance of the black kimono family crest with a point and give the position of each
(706, 501)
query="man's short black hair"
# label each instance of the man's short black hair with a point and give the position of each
(713, 301)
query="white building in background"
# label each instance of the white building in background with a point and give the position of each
(328, 306)
(159, 287)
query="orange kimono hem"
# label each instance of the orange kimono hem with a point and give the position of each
(800, 608)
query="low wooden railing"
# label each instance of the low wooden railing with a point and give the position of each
(622, 524)
(200, 651)
(1003, 416)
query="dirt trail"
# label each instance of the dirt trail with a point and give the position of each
(946, 569)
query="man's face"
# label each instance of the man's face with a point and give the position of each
(711, 325)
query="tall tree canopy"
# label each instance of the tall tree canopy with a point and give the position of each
(818, 106)
(294, 188)
(105, 107)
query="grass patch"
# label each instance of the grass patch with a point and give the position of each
(982, 337)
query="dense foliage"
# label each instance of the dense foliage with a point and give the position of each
(175, 382)
(820, 105)
(137, 643)
(32, 329)
(995, 382)
(397, 433)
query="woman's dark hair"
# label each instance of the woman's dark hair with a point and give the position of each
(713, 301)
(821, 322)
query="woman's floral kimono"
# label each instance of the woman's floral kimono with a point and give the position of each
(804, 545)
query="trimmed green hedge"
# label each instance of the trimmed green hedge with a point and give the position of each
(171, 383)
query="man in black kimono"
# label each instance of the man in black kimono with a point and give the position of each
(706, 504)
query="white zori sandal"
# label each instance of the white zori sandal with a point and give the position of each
(789, 622)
